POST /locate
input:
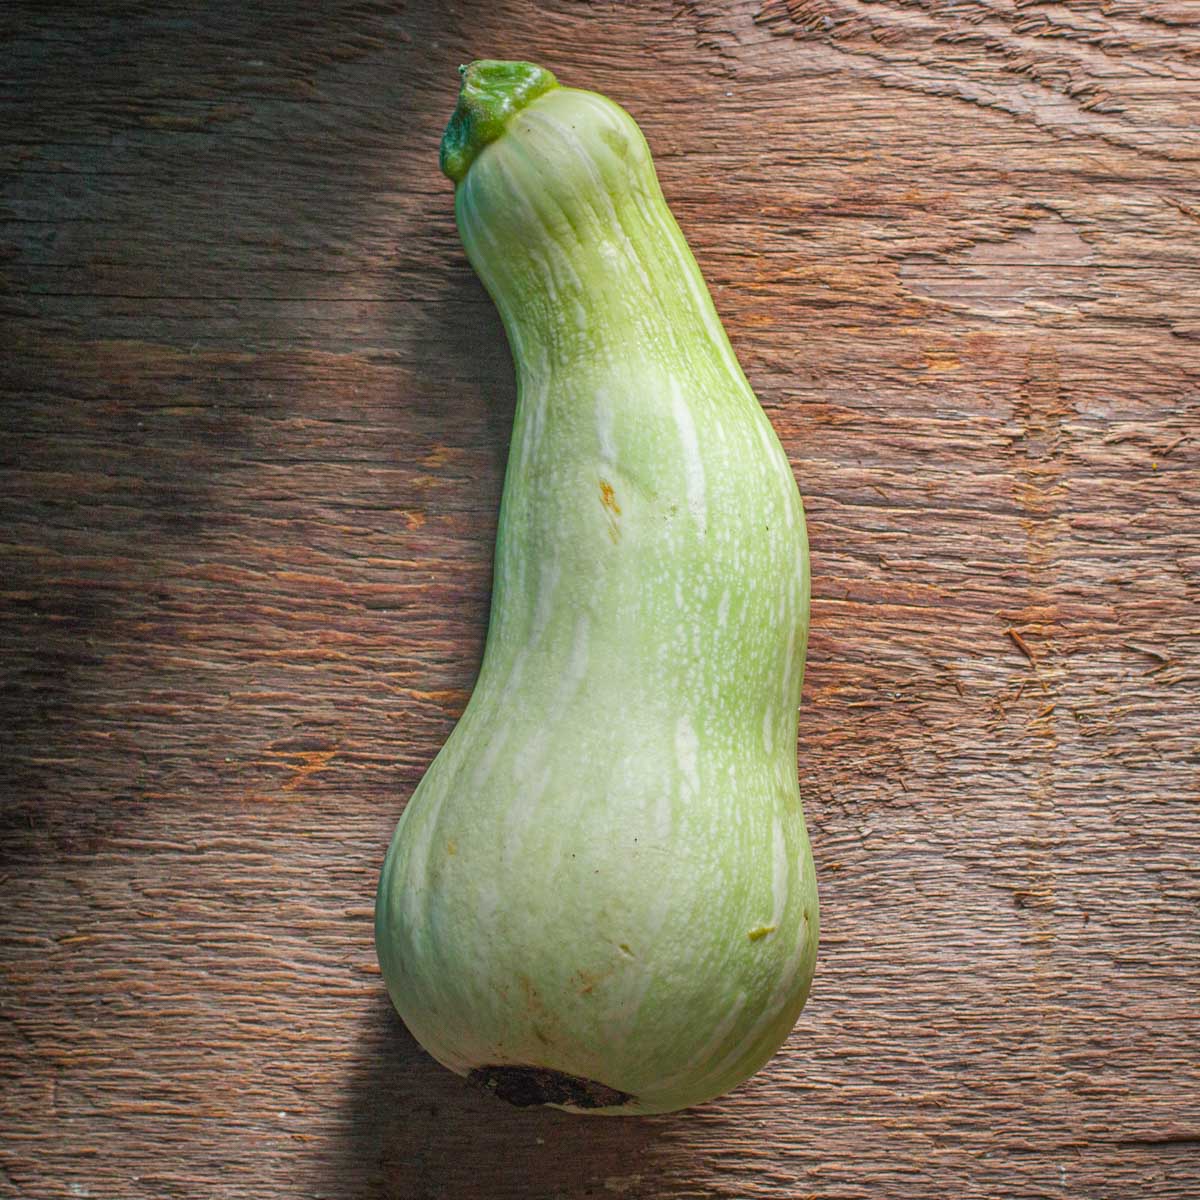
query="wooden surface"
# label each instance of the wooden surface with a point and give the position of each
(255, 418)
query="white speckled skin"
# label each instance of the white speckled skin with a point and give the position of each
(605, 872)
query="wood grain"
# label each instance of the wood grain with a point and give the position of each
(255, 418)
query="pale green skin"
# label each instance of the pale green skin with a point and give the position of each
(605, 871)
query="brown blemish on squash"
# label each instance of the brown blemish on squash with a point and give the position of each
(608, 498)
(612, 509)
(542, 1022)
(533, 1002)
(589, 979)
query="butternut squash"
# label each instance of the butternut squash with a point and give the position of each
(601, 895)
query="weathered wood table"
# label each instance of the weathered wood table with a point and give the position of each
(255, 415)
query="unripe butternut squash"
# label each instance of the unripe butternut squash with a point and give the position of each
(601, 895)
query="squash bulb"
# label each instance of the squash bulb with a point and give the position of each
(601, 895)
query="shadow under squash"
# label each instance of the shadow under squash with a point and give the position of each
(411, 1130)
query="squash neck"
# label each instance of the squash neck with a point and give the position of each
(577, 271)
(568, 300)
(561, 214)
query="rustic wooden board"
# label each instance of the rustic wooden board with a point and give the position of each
(255, 415)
